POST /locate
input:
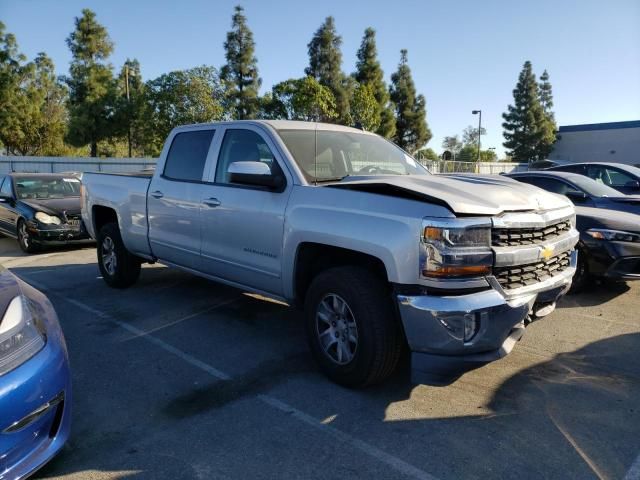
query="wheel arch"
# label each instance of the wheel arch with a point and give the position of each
(313, 258)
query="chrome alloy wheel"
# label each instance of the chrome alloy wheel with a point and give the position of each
(24, 235)
(336, 329)
(109, 259)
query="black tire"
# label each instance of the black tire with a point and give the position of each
(119, 268)
(380, 340)
(582, 277)
(24, 238)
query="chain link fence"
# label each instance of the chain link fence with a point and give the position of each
(481, 168)
(10, 164)
(123, 165)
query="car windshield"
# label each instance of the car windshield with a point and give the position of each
(46, 187)
(329, 155)
(593, 188)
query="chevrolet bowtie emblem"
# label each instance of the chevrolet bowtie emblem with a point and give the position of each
(546, 253)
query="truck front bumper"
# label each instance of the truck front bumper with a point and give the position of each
(450, 335)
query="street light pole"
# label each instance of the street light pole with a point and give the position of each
(479, 113)
(126, 76)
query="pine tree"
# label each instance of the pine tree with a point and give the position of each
(412, 131)
(240, 74)
(92, 89)
(549, 127)
(369, 72)
(524, 121)
(32, 102)
(325, 65)
(131, 106)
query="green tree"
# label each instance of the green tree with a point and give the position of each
(452, 144)
(12, 74)
(365, 108)
(412, 132)
(469, 153)
(32, 110)
(549, 127)
(178, 98)
(524, 120)
(92, 89)
(427, 154)
(470, 135)
(368, 72)
(240, 74)
(131, 112)
(325, 65)
(300, 99)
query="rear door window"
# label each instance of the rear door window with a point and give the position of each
(548, 184)
(187, 156)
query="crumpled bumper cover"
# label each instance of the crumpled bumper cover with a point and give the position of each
(440, 352)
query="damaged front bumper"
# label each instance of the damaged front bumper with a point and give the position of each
(450, 335)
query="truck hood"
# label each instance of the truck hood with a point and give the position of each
(463, 194)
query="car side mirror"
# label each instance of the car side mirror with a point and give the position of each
(256, 174)
(577, 196)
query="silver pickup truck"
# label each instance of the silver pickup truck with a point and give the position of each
(379, 253)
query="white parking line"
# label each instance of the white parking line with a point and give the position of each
(634, 471)
(390, 460)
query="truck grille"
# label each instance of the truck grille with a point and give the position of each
(523, 275)
(508, 237)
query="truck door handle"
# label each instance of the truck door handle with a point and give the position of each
(212, 202)
(157, 194)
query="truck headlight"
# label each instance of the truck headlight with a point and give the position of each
(614, 235)
(20, 335)
(456, 247)
(47, 219)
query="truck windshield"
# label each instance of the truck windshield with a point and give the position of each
(46, 187)
(329, 155)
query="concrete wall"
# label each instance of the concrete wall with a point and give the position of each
(73, 164)
(621, 145)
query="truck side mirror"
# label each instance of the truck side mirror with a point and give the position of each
(256, 174)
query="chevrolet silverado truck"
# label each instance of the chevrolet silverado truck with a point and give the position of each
(379, 253)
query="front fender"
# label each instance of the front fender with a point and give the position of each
(386, 228)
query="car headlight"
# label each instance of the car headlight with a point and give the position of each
(47, 219)
(615, 235)
(456, 248)
(20, 335)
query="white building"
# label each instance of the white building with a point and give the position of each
(599, 142)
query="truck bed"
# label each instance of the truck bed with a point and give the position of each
(126, 194)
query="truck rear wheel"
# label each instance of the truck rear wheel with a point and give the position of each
(351, 326)
(118, 267)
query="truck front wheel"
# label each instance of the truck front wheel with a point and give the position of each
(351, 326)
(118, 267)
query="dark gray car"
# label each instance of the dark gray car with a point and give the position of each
(581, 190)
(624, 178)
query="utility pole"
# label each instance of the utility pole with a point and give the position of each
(126, 87)
(479, 113)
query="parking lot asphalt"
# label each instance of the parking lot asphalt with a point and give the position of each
(182, 378)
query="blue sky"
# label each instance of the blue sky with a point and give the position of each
(464, 55)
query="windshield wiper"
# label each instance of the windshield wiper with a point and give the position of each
(331, 179)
